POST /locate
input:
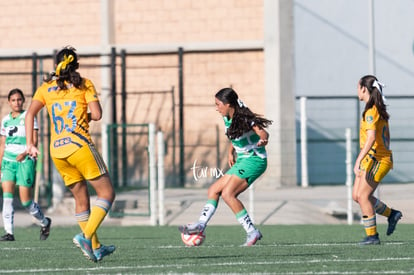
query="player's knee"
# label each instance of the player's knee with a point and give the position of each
(213, 191)
(227, 196)
(108, 195)
(113, 197)
(355, 197)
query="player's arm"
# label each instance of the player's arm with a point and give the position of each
(95, 111)
(31, 143)
(23, 155)
(231, 155)
(263, 134)
(2, 145)
(35, 137)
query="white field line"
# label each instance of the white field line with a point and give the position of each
(241, 263)
(179, 266)
(226, 246)
(258, 246)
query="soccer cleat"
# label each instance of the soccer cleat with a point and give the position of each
(7, 238)
(45, 230)
(253, 237)
(103, 251)
(393, 219)
(194, 228)
(369, 240)
(85, 245)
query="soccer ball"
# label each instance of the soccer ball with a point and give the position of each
(193, 239)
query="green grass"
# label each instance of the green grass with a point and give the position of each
(298, 249)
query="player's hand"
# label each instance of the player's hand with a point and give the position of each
(262, 142)
(32, 151)
(21, 157)
(356, 169)
(231, 160)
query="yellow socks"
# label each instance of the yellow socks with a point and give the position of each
(98, 214)
(382, 209)
(82, 219)
(370, 225)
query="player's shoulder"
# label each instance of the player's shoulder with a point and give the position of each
(6, 117)
(373, 111)
(47, 87)
(87, 82)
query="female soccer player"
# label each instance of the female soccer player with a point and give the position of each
(67, 97)
(17, 168)
(374, 160)
(246, 131)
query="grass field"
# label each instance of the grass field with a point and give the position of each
(298, 249)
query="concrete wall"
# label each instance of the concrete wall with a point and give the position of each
(222, 41)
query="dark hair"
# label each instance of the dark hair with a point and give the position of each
(243, 118)
(375, 97)
(67, 64)
(15, 91)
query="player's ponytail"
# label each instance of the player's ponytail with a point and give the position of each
(376, 96)
(243, 118)
(66, 66)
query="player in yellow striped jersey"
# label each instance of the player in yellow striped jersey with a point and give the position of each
(374, 160)
(67, 97)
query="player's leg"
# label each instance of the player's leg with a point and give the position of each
(233, 188)
(25, 180)
(368, 213)
(8, 178)
(393, 215)
(80, 194)
(92, 167)
(75, 182)
(8, 210)
(82, 219)
(356, 186)
(99, 249)
(103, 203)
(213, 195)
(364, 192)
(243, 174)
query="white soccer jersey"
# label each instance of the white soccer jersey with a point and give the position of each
(246, 145)
(14, 131)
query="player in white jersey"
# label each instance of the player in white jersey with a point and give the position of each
(247, 161)
(17, 168)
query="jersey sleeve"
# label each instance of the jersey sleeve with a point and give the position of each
(90, 93)
(2, 129)
(371, 119)
(39, 95)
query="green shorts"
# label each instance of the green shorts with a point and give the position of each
(249, 168)
(22, 173)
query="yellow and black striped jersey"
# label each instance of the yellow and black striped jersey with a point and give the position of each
(68, 115)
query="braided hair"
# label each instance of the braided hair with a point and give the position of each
(243, 118)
